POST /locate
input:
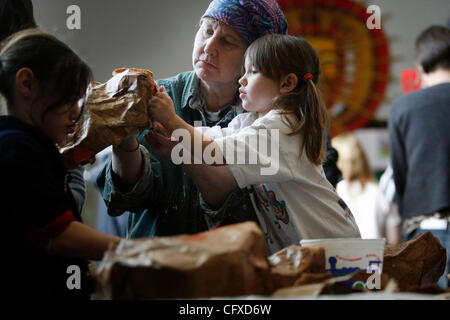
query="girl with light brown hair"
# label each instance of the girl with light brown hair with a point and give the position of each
(359, 189)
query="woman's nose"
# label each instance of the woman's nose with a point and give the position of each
(211, 46)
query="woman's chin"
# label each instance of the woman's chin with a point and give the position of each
(207, 75)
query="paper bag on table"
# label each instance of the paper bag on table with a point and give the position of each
(288, 264)
(224, 262)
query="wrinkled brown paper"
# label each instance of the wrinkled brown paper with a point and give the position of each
(114, 110)
(228, 261)
(418, 262)
(288, 264)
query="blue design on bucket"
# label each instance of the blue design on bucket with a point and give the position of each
(335, 272)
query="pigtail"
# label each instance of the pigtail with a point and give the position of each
(315, 122)
(311, 117)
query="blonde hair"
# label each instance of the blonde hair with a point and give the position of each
(352, 159)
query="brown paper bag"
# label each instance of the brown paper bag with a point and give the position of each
(289, 264)
(228, 261)
(114, 110)
(418, 262)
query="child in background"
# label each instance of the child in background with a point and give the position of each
(43, 82)
(285, 110)
(360, 191)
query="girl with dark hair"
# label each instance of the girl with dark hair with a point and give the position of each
(287, 116)
(44, 83)
(15, 16)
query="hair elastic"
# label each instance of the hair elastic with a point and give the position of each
(307, 76)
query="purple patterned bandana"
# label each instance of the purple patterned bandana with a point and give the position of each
(250, 18)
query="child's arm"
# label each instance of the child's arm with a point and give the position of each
(81, 241)
(215, 183)
(163, 111)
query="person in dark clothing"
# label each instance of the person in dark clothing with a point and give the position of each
(15, 15)
(332, 172)
(47, 245)
(420, 143)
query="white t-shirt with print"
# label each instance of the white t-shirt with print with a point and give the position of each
(292, 197)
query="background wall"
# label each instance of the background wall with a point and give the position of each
(157, 35)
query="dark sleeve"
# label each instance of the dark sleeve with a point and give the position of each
(77, 186)
(397, 152)
(134, 200)
(36, 201)
(329, 165)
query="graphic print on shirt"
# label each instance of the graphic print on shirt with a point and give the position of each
(279, 231)
(269, 199)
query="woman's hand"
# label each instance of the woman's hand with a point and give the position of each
(161, 107)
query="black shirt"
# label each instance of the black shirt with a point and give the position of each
(36, 206)
(420, 150)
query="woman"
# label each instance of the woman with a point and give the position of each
(162, 196)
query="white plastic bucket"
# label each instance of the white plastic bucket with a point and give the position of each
(347, 255)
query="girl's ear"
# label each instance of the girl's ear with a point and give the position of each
(288, 83)
(24, 82)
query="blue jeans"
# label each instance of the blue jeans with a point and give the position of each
(444, 238)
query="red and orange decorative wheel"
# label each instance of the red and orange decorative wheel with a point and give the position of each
(354, 59)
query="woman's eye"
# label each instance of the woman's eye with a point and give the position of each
(228, 42)
(208, 31)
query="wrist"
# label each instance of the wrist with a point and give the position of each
(130, 144)
(174, 123)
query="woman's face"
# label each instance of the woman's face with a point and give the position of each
(218, 53)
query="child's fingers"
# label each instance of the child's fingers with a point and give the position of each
(160, 127)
